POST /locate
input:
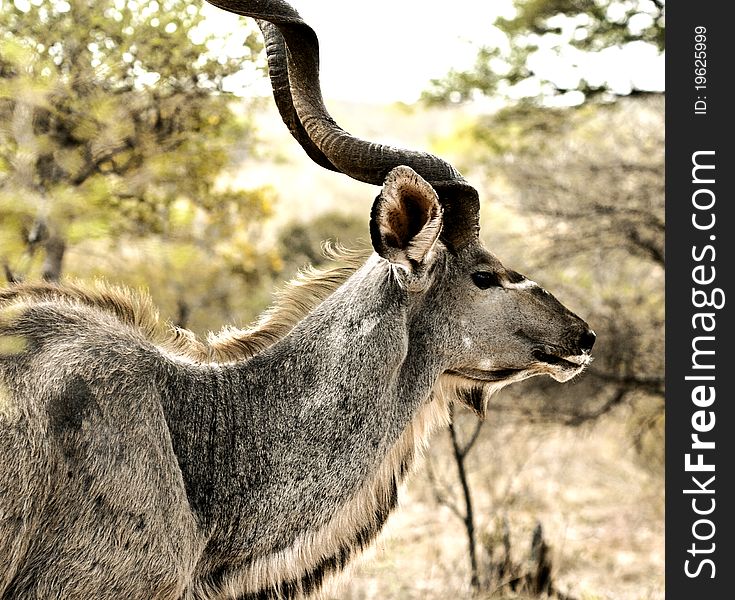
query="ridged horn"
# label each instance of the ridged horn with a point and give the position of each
(292, 48)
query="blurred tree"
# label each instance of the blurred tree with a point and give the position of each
(565, 30)
(114, 123)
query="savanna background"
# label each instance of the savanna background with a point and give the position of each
(128, 153)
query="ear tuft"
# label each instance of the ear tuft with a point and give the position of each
(406, 219)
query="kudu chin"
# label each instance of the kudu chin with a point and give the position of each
(139, 463)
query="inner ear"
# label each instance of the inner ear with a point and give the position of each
(406, 218)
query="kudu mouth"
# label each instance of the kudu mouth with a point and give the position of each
(564, 359)
(560, 363)
(561, 368)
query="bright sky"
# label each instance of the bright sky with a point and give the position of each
(389, 50)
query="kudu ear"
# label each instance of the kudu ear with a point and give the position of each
(406, 219)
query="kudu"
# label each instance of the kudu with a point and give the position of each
(139, 463)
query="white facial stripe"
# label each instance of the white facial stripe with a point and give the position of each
(521, 285)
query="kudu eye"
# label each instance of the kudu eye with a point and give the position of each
(486, 279)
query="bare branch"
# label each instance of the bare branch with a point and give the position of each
(473, 438)
(439, 488)
(616, 399)
(469, 520)
(653, 384)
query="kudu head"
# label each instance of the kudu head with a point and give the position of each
(489, 324)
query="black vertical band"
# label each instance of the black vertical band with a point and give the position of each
(700, 424)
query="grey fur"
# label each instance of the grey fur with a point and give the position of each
(130, 470)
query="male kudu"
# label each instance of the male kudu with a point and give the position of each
(137, 462)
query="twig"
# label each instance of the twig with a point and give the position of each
(440, 497)
(469, 518)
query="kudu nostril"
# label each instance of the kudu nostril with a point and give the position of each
(587, 340)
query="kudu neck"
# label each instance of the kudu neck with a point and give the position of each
(273, 447)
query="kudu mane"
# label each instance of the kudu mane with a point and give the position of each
(135, 309)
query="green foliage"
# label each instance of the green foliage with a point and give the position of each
(603, 23)
(557, 25)
(114, 125)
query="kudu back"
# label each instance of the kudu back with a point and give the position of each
(137, 462)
